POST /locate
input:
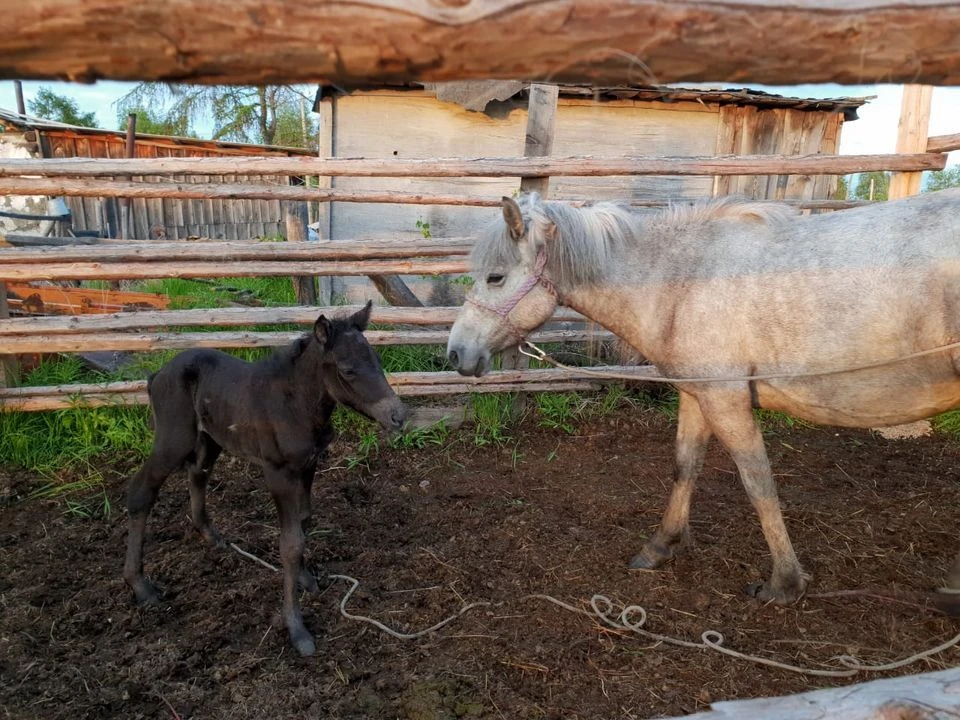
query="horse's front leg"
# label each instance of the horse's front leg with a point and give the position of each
(693, 435)
(286, 490)
(731, 417)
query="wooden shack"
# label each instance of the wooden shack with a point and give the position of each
(157, 219)
(488, 119)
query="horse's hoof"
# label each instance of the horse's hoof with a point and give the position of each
(654, 554)
(304, 644)
(784, 595)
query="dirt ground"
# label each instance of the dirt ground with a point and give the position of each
(426, 531)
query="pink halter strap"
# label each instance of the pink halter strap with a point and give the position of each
(504, 310)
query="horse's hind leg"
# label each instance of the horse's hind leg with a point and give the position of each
(693, 434)
(286, 489)
(731, 418)
(198, 474)
(171, 449)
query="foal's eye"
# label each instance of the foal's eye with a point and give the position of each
(494, 279)
(348, 374)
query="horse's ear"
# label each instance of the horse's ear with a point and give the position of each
(361, 318)
(513, 217)
(322, 330)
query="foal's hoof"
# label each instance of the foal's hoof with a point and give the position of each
(211, 537)
(145, 593)
(784, 593)
(307, 581)
(304, 644)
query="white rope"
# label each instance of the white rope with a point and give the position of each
(602, 610)
(381, 626)
(540, 354)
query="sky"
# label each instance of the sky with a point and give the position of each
(874, 132)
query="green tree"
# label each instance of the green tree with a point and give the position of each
(881, 186)
(148, 122)
(47, 104)
(942, 179)
(269, 114)
(843, 188)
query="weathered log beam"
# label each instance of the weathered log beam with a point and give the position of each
(943, 143)
(231, 317)
(56, 397)
(210, 269)
(463, 167)
(238, 251)
(142, 342)
(257, 42)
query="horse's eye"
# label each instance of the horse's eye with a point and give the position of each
(494, 279)
(348, 373)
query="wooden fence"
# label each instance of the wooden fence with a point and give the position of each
(153, 330)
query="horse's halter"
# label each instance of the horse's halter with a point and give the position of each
(530, 282)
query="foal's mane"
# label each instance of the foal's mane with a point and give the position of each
(589, 240)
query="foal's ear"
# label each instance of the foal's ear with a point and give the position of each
(513, 217)
(322, 330)
(361, 318)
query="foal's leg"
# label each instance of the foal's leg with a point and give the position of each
(172, 446)
(198, 473)
(693, 434)
(286, 489)
(730, 415)
(306, 579)
(953, 577)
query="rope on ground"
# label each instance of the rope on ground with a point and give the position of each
(381, 626)
(362, 618)
(602, 610)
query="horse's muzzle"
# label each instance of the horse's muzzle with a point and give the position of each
(466, 362)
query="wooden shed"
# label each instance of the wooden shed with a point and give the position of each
(489, 120)
(171, 219)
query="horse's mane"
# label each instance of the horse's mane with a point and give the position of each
(589, 239)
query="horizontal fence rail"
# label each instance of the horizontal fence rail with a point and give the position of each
(412, 384)
(219, 269)
(145, 251)
(479, 167)
(233, 317)
(82, 342)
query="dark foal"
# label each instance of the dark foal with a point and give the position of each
(275, 412)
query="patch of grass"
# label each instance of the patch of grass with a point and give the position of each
(220, 292)
(492, 417)
(45, 442)
(948, 423)
(419, 438)
(559, 411)
(412, 358)
(93, 501)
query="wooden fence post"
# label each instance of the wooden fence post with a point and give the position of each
(541, 121)
(295, 214)
(911, 134)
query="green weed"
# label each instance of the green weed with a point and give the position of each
(419, 438)
(491, 414)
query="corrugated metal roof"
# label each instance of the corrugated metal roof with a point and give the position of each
(475, 95)
(14, 122)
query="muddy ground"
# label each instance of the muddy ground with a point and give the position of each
(426, 531)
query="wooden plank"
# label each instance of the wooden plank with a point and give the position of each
(911, 133)
(929, 696)
(943, 143)
(236, 317)
(772, 42)
(728, 122)
(578, 166)
(405, 384)
(143, 342)
(304, 286)
(213, 269)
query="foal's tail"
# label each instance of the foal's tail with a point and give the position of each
(151, 421)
